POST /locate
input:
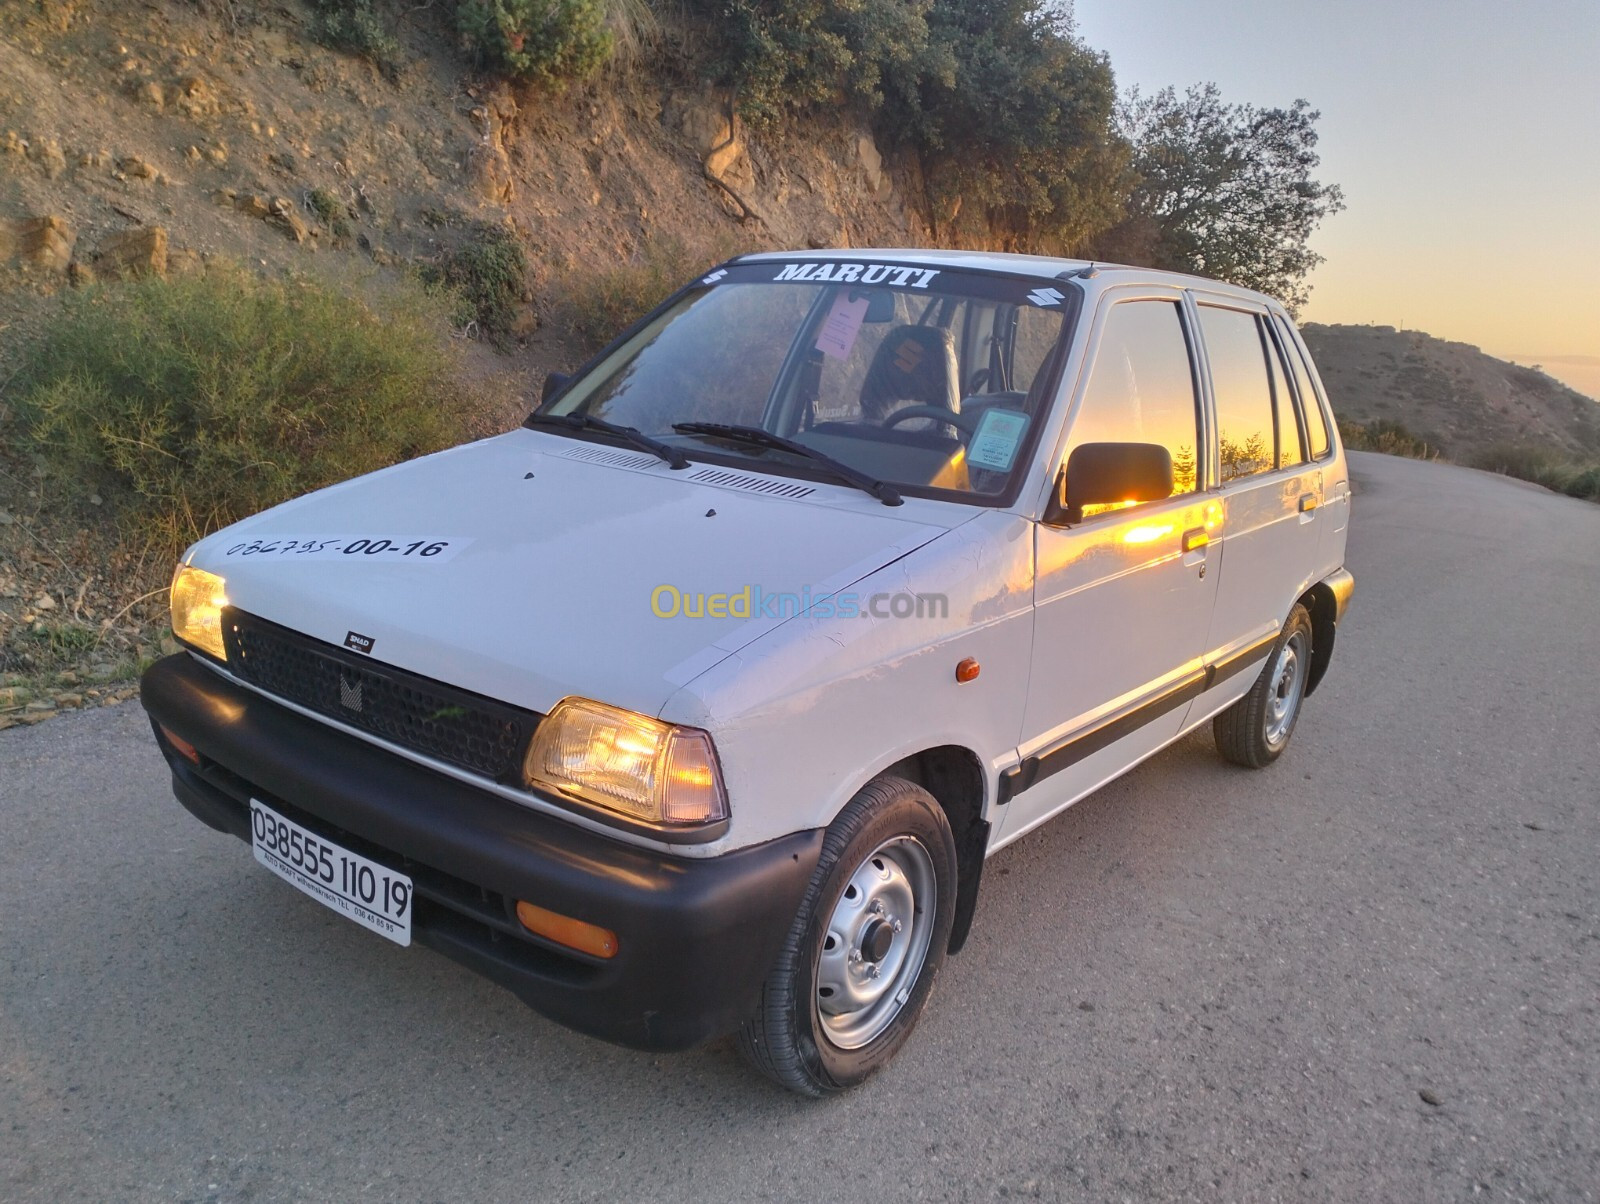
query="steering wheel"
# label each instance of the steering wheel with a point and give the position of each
(961, 422)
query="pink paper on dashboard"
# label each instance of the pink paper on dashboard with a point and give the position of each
(843, 325)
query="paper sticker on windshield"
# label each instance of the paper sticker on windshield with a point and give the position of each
(843, 325)
(995, 442)
(353, 549)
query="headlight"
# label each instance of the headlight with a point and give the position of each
(631, 764)
(197, 601)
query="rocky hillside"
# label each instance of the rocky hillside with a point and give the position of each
(1462, 402)
(150, 138)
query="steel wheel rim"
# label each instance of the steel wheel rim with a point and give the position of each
(1288, 686)
(876, 942)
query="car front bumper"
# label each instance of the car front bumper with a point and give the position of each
(696, 936)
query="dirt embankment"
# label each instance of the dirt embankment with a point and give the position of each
(152, 139)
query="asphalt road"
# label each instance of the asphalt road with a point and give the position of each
(1201, 983)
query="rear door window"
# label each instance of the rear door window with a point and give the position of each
(1246, 430)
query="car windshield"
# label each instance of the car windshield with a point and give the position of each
(930, 380)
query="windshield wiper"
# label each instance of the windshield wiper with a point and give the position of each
(757, 437)
(628, 434)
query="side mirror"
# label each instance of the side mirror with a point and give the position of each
(553, 384)
(1099, 474)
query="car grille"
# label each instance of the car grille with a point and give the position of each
(416, 713)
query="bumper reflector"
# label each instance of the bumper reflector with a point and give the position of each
(564, 930)
(183, 748)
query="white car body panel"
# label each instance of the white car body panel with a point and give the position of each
(552, 598)
(806, 715)
(553, 595)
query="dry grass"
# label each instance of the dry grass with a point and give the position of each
(189, 404)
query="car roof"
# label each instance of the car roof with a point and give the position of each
(1043, 267)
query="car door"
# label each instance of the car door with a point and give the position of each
(1122, 599)
(1269, 488)
(1333, 516)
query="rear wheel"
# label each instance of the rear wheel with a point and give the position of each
(1256, 729)
(860, 960)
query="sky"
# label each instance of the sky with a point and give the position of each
(1466, 137)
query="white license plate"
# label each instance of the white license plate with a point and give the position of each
(372, 895)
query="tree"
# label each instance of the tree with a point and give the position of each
(1010, 118)
(540, 40)
(785, 58)
(1015, 134)
(1224, 190)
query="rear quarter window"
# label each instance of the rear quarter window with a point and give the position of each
(1316, 420)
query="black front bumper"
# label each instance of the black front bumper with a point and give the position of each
(695, 936)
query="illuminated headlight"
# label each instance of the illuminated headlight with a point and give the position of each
(197, 601)
(639, 767)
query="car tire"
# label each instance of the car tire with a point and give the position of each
(1254, 731)
(860, 959)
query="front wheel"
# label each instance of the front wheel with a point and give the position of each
(861, 957)
(1256, 729)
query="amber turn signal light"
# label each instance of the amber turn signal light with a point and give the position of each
(564, 930)
(183, 748)
(967, 670)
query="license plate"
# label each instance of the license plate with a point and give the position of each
(372, 895)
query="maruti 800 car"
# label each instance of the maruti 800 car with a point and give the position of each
(696, 704)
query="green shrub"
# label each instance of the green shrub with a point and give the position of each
(194, 403)
(355, 27)
(538, 40)
(487, 273)
(334, 213)
(788, 57)
(1584, 483)
(1016, 136)
(603, 303)
(1542, 466)
(1388, 437)
(1524, 461)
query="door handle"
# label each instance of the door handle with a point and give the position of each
(1195, 538)
(1308, 503)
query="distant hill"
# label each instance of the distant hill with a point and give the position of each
(1461, 401)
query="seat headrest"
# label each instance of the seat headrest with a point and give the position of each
(915, 364)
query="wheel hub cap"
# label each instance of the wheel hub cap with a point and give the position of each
(876, 942)
(1288, 684)
(877, 939)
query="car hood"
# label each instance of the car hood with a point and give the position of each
(557, 550)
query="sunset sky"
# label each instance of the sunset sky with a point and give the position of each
(1465, 134)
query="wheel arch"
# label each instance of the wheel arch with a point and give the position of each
(954, 776)
(1322, 604)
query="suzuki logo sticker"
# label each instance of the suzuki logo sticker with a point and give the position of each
(350, 691)
(715, 276)
(1046, 296)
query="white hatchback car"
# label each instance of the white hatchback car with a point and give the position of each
(696, 705)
